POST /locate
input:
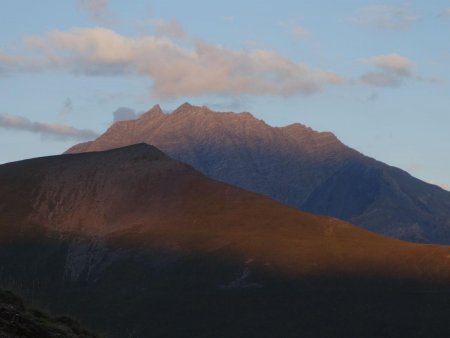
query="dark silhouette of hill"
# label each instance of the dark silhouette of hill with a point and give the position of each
(20, 321)
(294, 165)
(136, 244)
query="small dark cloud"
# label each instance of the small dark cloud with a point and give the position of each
(67, 107)
(56, 131)
(124, 113)
(372, 97)
(234, 105)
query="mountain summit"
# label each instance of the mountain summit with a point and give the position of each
(295, 165)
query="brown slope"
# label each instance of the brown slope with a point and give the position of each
(139, 195)
(136, 244)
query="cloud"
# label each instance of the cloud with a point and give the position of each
(296, 31)
(386, 17)
(170, 28)
(9, 63)
(392, 63)
(124, 114)
(67, 107)
(235, 104)
(299, 33)
(228, 18)
(56, 131)
(381, 79)
(372, 97)
(175, 70)
(97, 9)
(392, 70)
(445, 14)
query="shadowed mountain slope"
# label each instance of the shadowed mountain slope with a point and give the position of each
(136, 244)
(294, 165)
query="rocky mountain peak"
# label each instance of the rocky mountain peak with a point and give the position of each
(155, 111)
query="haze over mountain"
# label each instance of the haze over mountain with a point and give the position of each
(294, 165)
(136, 244)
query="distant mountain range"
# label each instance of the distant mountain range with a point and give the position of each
(136, 244)
(294, 165)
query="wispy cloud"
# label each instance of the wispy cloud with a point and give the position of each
(170, 28)
(296, 31)
(445, 14)
(299, 33)
(228, 18)
(56, 131)
(392, 70)
(386, 17)
(177, 70)
(393, 63)
(96, 9)
(235, 104)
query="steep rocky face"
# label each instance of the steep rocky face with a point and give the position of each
(135, 244)
(294, 165)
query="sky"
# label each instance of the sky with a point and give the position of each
(376, 74)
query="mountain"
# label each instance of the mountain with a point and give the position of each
(294, 165)
(136, 244)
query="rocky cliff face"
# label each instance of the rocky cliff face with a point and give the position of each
(294, 165)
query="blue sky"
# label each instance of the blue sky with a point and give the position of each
(374, 73)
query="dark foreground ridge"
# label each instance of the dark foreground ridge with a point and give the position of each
(135, 244)
(294, 165)
(19, 321)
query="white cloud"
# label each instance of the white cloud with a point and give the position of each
(386, 17)
(392, 62)
(175, 70)
(392, 70)
(56, 131)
